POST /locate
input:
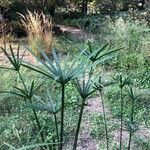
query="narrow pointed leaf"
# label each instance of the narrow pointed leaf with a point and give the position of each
(21, 90)
(39, 70)
(100, 51)
(108, 54)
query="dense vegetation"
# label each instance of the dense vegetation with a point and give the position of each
(61, 91)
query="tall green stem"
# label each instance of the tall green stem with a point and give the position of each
(20, 76)
(54, 146)
(38, 124)
(105, 121)
(132, 117)
(79, 124)
(62, 117)
(121, 120)
(130, 138)
(56, 126)
(34, 112)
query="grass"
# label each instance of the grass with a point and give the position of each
(39, 30)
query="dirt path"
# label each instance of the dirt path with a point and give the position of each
(76, 32)
(86, 141)
(26, 55)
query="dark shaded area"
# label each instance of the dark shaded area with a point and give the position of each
(57, 30)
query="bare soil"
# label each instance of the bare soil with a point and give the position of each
(77, 32)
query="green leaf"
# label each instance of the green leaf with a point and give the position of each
(90, 47)
(14, 93)
(10, 146)
(85, 87)
(108, 55)
(14, 60)
(31, 89)
(7, 55)
(100, 51)
(13, 55)
(35, 68)
(21, 90)
(57, 62)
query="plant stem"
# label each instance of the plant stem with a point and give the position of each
(132, 116)
(34, 112)
(50, 147)
(62, 117)
(38, 123)
(121, 121)
(20, 76)
(39, 126)
(91, 72)
(56, 125)
(79, 124)
(54, 146)
(130, 137)
(105, 121)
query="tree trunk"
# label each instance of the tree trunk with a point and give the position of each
(51, 10)
(113, 5)
(84, 6)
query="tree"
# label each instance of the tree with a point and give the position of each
(84, 6)
(4, 5)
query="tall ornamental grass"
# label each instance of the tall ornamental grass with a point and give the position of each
(39, 30)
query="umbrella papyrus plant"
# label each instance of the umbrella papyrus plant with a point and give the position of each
(85, 89)
(51, 106)
(25, 92)
(62, 73)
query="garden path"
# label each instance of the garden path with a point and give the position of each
(87, 142)
(26, 55)
(77, 32)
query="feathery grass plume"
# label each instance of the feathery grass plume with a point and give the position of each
(39, 30)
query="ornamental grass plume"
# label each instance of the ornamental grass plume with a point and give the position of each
(39, 30)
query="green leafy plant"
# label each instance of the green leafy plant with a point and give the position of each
(85, 90)
(81, 70)
(132, 126)
(50, 107)
(25, 93)
(123, 81)
(134, 96)
(101, 55)
(61, 74)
